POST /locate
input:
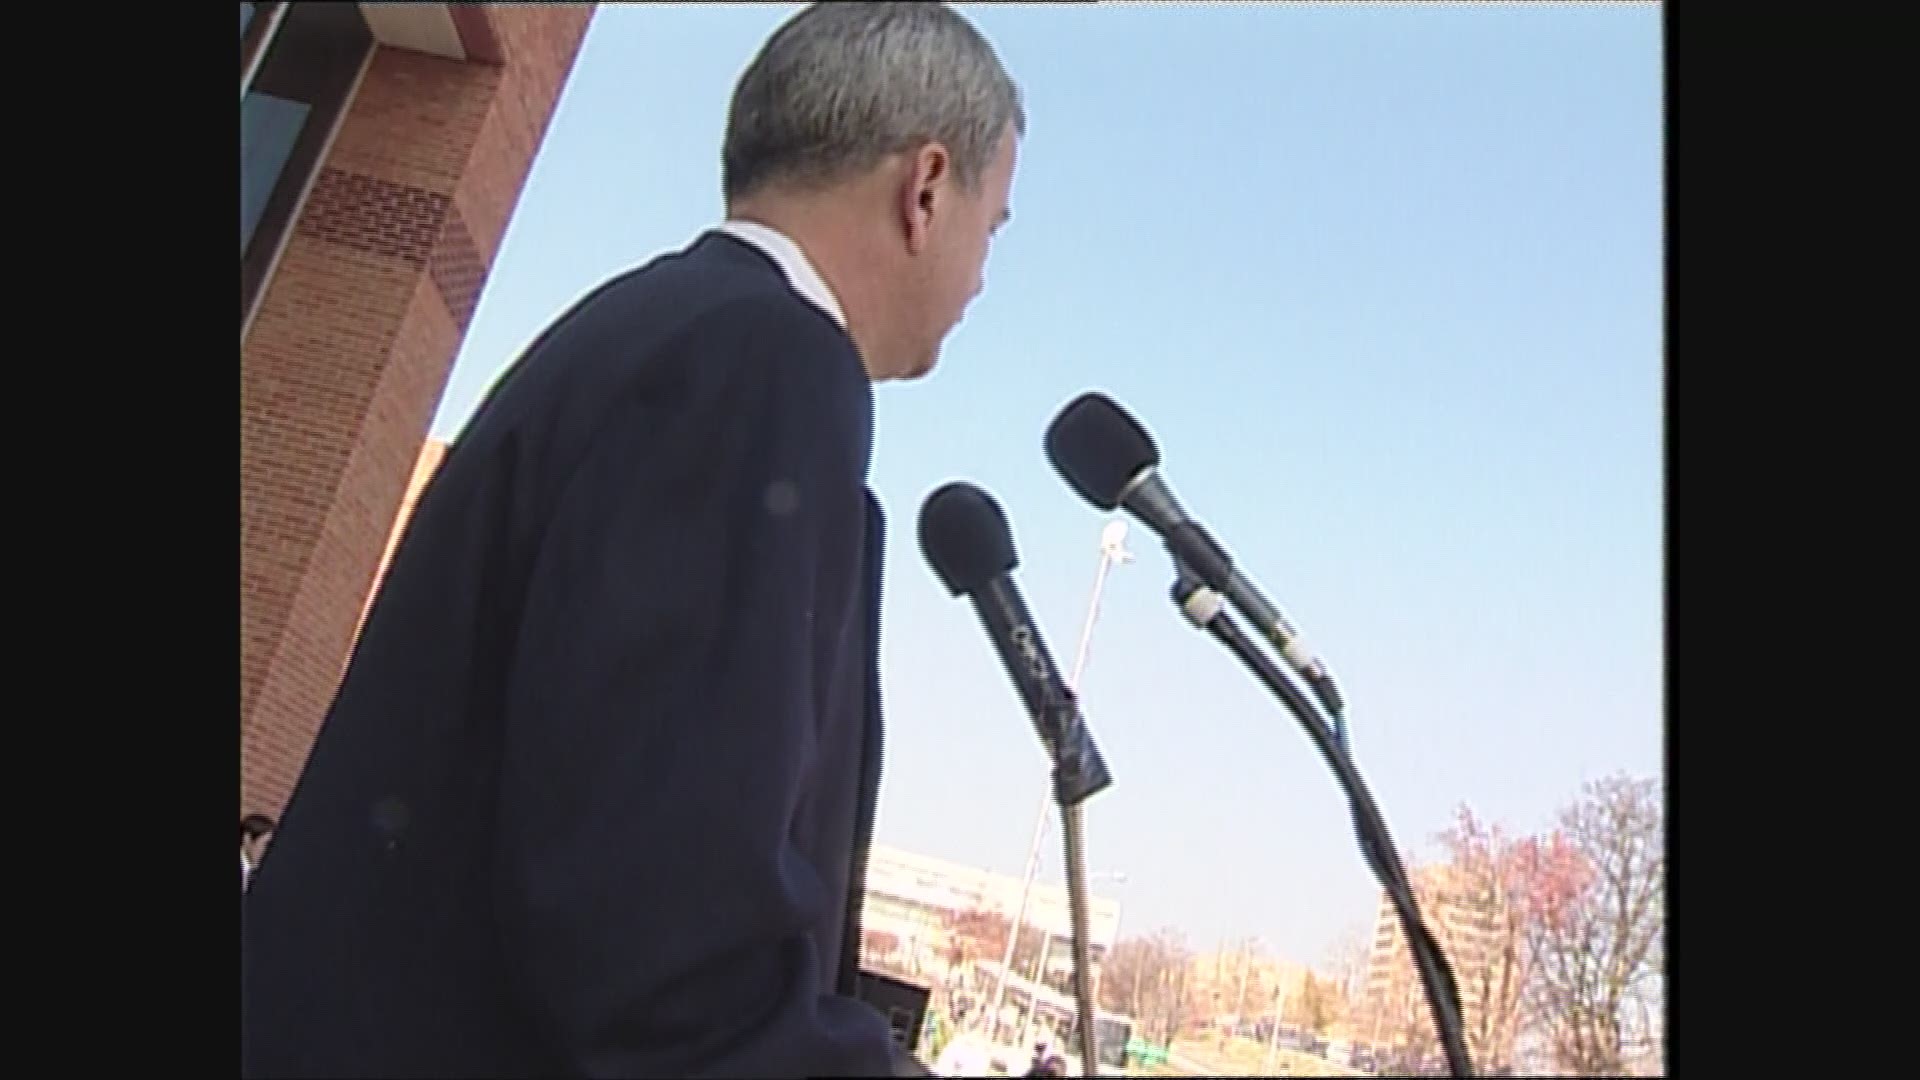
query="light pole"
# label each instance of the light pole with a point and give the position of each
(1273, 1036)
(1113, 552)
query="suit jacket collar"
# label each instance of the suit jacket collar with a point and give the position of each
(792, 261)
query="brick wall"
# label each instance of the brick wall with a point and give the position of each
(345, 361)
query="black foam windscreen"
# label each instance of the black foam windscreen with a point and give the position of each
(1097, 448)
(965, 537)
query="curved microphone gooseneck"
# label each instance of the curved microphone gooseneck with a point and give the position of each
(1205, 609)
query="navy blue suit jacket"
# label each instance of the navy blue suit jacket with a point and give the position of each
(596, 793)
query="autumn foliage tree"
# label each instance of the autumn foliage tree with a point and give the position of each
(1571, 925)
(880, 943)
(1321, 1004)
(1507, 881)
(1555, 936)
(977, 934)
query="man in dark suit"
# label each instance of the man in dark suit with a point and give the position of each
(596, 794)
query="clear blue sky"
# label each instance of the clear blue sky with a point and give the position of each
(1385, 281)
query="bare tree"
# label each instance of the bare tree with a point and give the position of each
(1397, 1015)
(1348, 964)
(1145, 978)
(1237, 982)
(1598, 938)
(1348, 958)
(1477, 903)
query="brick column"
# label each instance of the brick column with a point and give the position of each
(356, 332)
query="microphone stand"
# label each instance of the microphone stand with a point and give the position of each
(1078, 774)
(1205, 608)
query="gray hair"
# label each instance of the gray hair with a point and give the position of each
(840, 86)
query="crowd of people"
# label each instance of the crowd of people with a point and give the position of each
(975, 1031)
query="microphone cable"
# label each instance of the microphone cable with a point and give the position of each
(1436, 974)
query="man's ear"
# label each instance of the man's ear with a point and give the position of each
(922, 193)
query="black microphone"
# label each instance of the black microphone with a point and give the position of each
(965, 537)
(1106, 457)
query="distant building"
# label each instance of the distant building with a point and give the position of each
(1467, 927)
(913, 897)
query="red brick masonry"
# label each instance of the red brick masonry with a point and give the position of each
(346, 358)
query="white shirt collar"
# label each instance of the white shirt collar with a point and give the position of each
(793, 263)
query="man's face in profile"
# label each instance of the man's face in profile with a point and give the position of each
(960, 243)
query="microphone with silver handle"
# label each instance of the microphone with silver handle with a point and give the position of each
(1108, 459)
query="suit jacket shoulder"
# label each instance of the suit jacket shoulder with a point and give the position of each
(678, 334)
